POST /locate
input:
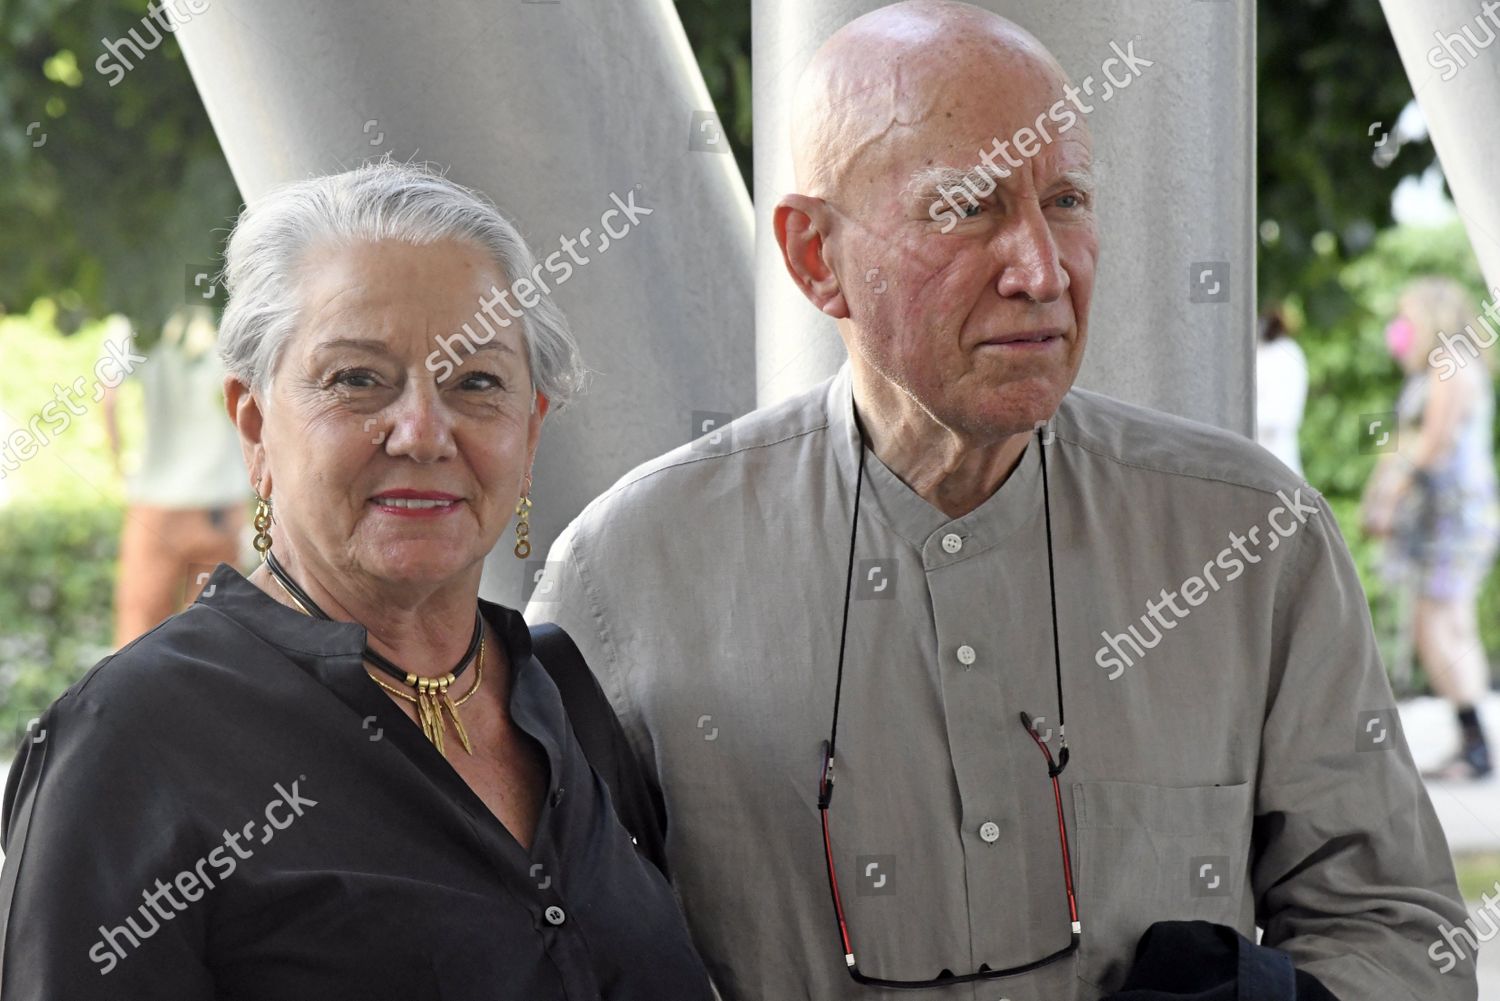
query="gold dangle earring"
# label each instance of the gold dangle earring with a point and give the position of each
(523, 523)
(262, 524)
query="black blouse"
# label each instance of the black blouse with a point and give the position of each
(230, 808)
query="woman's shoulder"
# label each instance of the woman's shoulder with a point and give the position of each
(176, 661)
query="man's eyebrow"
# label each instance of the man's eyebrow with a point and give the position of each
(934, 180)
(931, 180)
(1078, 177)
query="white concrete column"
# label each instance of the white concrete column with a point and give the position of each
(1451, 57)
(549, 108)
(1172, 324)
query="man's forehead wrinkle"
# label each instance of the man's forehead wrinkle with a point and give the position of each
(851, 103)
(889, 80)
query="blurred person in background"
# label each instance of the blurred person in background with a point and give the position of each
(186, 501)
(1433, 497)
(1280, 390)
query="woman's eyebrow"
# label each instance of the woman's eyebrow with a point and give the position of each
(357, 343)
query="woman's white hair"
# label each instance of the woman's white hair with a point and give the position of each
(380, 200)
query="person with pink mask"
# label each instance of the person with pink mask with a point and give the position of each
(1433, 497)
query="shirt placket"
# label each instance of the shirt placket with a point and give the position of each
(972, 660)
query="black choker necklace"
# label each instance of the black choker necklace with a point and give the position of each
(431, 693)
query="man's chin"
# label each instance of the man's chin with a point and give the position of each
(1015, 408)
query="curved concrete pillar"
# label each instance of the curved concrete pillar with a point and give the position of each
(549, 108)
(1172, 324)
(1451, 51)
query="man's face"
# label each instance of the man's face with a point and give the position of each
(975, 307)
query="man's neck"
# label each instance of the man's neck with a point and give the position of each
(948, 469)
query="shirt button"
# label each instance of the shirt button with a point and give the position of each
(952, 543)
(989, 831)
(966, 655)
(555, 915)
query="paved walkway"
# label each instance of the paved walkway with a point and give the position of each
(1469, 811)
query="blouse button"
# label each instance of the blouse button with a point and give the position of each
(557, 796)
(554, 915)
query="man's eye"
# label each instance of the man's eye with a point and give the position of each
(1078, 201)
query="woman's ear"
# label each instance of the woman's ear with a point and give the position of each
(539, 407)
(248, 418)
(802, 223)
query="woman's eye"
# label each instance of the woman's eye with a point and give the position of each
(972, 211)
(480, 380)
(355, 378)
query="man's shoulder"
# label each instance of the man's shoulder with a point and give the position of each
(746, 450)
(1132, 436)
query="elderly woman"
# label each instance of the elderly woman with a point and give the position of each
(346, 776)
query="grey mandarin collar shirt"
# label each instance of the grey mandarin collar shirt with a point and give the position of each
(1236, 755)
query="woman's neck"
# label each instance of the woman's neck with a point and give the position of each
(424, 631)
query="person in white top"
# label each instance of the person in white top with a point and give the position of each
(1280, 390)
(186, 500)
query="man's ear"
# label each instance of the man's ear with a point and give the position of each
(247, 417)
(802, 223)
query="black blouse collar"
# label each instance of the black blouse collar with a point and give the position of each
(332, 652)
(289, 630)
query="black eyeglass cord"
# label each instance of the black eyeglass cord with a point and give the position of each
(379, 660)
(1053, 770)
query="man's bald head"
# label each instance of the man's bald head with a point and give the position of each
(885, 75)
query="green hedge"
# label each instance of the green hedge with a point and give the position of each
(57, 605)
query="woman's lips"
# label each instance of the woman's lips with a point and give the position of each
(416, 504)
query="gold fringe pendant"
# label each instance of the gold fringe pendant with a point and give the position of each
(432, 699)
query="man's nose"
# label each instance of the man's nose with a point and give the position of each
(1029, 262)
(421, 427)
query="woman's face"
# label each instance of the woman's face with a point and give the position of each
(377, 470)
(1400, 339)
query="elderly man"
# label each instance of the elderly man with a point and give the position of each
(895, 562)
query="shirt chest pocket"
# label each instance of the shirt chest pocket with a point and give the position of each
(1150, 853)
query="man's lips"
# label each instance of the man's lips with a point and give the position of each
(1025, 338)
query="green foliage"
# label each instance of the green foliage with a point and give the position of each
(57, 606)
(1328, 71)
(128, 186)
(1350, 376)
(719, 32)
(60, 517)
